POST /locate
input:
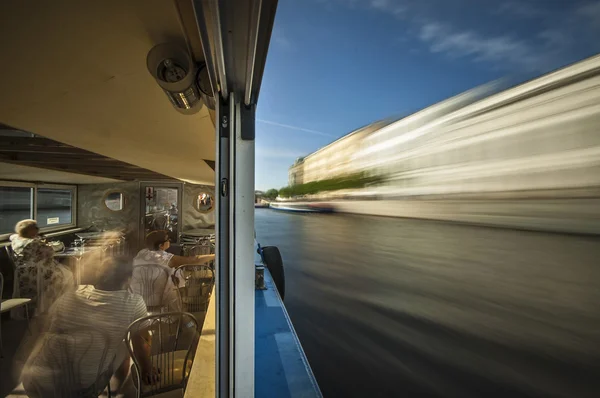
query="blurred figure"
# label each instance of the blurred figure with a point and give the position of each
(33, 253)
(71, 352)
(157, 243)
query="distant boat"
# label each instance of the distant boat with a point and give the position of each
(262, 205)
(302, 207)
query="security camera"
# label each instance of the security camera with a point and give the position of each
(175, 72)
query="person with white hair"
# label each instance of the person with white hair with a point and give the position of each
(33, 254)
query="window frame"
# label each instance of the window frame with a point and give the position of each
(34, 201)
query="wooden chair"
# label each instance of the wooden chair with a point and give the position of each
(12, 259)
(160, 222)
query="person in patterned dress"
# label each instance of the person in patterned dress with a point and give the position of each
(33, 253)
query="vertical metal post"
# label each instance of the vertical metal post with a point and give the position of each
(243, 255)
(223, 277)
(235, 248)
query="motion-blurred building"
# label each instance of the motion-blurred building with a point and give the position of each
(539, 136)
(296, 172)
(335, 159)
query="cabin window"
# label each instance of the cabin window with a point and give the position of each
(204, 202)
(114, 201)
(52, 206)
(16, 204)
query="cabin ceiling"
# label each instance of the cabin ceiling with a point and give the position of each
(43, 153)
(8, 171)
(75, 72)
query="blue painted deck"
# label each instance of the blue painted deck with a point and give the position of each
(281, 368)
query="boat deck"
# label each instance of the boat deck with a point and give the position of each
(278, 353)
(281, 367)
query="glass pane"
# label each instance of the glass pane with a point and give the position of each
(114, 201)
(54, 207)
(204, 202)
(15, 205)
(161, 211)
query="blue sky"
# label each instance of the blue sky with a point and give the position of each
(336, 65)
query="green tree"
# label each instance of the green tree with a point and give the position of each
(352, 181)
(271, 194)
(285, 192)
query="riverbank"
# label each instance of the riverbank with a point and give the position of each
(574, 215)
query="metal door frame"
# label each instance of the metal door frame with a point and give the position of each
(235, 253)
(142, 213)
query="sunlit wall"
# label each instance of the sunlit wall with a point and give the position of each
(542, 135)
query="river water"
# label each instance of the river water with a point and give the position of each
(398, 307)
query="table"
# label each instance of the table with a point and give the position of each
(77, 254)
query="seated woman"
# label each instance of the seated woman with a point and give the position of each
(33, 253)
(157, 242)
(84, 344)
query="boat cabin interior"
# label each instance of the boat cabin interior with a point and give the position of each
(71, 192)
(118, 119)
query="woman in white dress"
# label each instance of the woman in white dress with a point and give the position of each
(157, 244)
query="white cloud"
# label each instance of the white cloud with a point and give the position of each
(431, 31)
(501, 50)
(394, 7)
(555, 38)
(380, 4)
(521, 9)
(391, 6)
(591, 11)
(537, 51)
(280, 39)
(288, 126)
(283, 42)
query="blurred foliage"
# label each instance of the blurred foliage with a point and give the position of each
(271, 194)
(351, 181)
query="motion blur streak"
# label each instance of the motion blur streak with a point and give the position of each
(398, 307)
(539, 138)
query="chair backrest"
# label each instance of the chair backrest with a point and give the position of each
(199, 280)
(197, 246)
(170, 339)
(38, 299)
(12, 259)
(150, 281)
(71, 364)
(200, 249)
(160, 222)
